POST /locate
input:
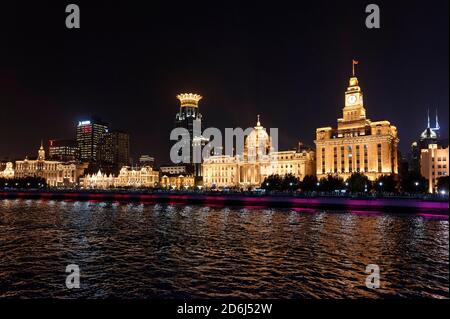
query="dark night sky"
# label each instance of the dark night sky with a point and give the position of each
(289, 63)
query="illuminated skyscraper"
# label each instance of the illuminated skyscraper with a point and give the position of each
(89, 134)
(185, 118)
(429, 136)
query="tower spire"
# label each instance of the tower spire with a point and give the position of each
(258, 123)
(428, 118)
(437, 121)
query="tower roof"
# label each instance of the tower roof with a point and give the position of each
(189, 99)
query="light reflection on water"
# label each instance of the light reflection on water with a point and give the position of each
(134, 250)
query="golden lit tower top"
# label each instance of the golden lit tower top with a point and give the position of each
(189, 99)
(353, 104)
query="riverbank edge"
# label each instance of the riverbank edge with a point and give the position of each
(283, 201)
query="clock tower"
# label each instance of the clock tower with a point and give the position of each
(357, 145)
(353, 105)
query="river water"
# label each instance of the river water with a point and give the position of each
(133, 250)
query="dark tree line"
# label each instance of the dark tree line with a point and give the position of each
(412, 183)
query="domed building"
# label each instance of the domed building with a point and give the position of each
(258, 143)
(258, 161)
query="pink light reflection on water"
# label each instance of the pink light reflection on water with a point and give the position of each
(364, 212)
(437, 216)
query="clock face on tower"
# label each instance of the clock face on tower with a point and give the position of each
(351, 99)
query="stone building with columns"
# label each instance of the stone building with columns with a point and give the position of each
(56, 174)
(357, 144)
(258, 161)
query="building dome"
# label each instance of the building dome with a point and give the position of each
(258, 142)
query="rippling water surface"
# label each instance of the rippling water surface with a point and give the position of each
(164, 251)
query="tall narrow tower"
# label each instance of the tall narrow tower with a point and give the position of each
(185, 118)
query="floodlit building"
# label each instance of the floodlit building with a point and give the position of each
(143, 177)
(434, 164)
(177, 181)
(55, 173)
(8, 171)
(128, 177)
(258, 161)
(357, 144)
(185, 118)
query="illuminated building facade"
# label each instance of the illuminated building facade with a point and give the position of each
(357, 144)
(434, 164)
(188, 113)
(56, 174)
(177, 181)
(89, 135)
(7, 170)
(63, 150)
(128, 177)
(258, 161)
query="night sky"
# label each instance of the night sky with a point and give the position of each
(288, 61)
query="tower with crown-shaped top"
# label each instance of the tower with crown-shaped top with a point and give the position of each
(189, 118)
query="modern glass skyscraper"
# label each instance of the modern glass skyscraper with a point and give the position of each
(89, 135)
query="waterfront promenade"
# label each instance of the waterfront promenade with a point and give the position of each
(312, 201)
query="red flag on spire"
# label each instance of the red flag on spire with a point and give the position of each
(355, 62)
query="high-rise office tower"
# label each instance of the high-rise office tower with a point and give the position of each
(185, 118)
(113, 151)
(63, 150)
(89, 134)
